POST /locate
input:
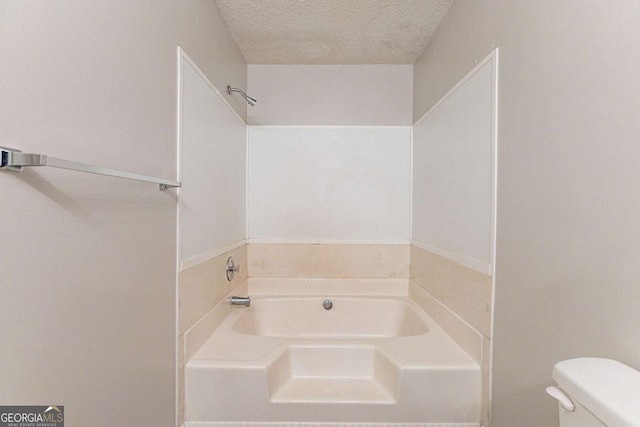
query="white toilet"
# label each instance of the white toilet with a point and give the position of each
(596, 392)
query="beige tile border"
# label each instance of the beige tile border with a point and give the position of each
(326, 286)
(463, 290)
(328, 260)
(202, 286)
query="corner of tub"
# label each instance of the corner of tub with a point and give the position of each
(197, 335)
(462, 333)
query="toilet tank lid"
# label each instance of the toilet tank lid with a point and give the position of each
(607, 388)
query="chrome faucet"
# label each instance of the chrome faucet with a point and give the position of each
(246, 301)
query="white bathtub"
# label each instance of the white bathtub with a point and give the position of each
(375, 358)
(349, 318)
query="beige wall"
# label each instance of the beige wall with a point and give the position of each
(346, 95)
(568, 231)
(88, 263)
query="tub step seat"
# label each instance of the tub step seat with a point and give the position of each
(332, 374)
(333, 390)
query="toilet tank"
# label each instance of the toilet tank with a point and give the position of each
(605, 393)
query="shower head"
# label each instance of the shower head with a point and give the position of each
(251, 101)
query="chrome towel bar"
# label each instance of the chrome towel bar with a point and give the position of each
(15, 160)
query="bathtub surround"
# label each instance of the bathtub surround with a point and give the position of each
(338, 249)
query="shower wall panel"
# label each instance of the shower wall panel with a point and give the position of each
(329, 184)
(212, 169)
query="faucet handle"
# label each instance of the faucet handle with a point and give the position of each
(231, 269)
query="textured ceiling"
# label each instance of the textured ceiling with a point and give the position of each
(332, 31)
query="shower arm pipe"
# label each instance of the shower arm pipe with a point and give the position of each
(15, 160)
(251, 101)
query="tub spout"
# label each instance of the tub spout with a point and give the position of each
(246, 301)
